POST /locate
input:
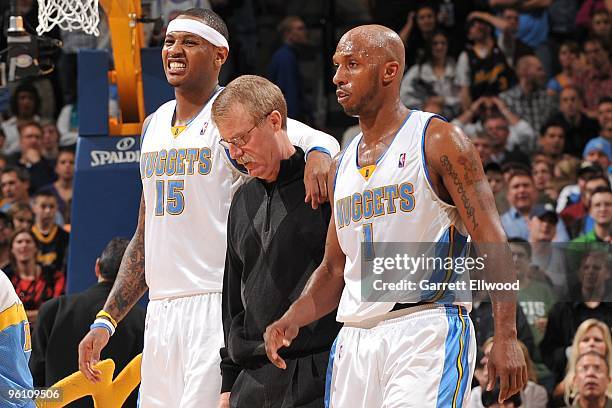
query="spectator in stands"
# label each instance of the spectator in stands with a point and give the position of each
(25, 106)
(529, 99)
(493, 171)
(568, 60)
(507, 24)
(601, 26)
(542, 173)
(576, 216)
(604, 117)
(14, 183)
(62, 188)
(578, 126)
(596, 81)
(565, 316)
(592, 381)
(532, 396)
(29, 157)
(522, 198)
(21, 216)
(32, 283)
(418, 31)
(591, 336)
(600, 211)
(434, 75)
(574, 185)
(63, 321)
(51, 238)
(49, 144)
(536, 296)
(482, 143)
(482, 69)
(284, 68)
(552, 140)
(6, 231)
(509, 133)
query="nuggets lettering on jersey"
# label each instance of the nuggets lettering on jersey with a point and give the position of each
(187, 193)
(393, 202)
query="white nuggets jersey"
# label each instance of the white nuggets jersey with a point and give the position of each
(188, 181)
(396, 203)
(15, 348)
(187, 192)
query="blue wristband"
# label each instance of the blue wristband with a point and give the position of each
(101, 325)
(318, 149)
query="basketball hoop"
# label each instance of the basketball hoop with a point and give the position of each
(68, 15)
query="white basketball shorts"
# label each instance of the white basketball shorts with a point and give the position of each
(180, 360)
(423, 359)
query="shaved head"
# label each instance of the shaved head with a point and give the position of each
(369, 64)
(377, 41)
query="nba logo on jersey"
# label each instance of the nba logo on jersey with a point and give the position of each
(204, 128)
(402, 160)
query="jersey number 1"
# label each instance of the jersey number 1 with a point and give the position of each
(368, 242)
(174, 200)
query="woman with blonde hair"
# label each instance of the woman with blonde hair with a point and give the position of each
(592, 335)
(532, 396)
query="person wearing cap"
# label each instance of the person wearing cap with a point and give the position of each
(570, 194)
(598, 150)
(522, 197)
(178, 249)
(548, 258)
(576, 216)
(600, 210)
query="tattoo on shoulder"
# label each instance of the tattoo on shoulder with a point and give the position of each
(448, 166)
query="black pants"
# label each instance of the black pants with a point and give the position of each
(301, 385)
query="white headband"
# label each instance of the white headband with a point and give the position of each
(196, 27)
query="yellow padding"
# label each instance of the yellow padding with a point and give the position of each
(12, 316)
(107, 393)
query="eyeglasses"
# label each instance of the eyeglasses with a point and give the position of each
(242, 139)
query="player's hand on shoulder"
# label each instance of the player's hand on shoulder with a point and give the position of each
(507, 362)
(89, 352)
(279, 334)
(315, 177)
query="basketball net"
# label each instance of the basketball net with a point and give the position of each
(68, 15)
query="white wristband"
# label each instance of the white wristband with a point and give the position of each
(104, 322)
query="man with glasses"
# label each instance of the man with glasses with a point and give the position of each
(179, 246)
(275, 241)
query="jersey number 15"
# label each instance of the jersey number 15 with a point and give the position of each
(169, 199)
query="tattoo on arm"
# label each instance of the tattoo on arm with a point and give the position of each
(130, 284)
(447, 165)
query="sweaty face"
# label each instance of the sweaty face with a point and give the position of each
(356, 77)
(187, 58)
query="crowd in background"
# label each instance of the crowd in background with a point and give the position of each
(528, 81)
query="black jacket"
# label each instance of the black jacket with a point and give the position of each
(275, 242)
(64, 321)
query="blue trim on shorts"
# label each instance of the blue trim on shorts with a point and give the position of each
(328, 375)
(456, 371)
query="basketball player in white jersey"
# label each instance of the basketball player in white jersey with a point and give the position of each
(409, 177)
(179, 247)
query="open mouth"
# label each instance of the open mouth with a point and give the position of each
(176, 67)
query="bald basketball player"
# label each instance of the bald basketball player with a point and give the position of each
(409, 177)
